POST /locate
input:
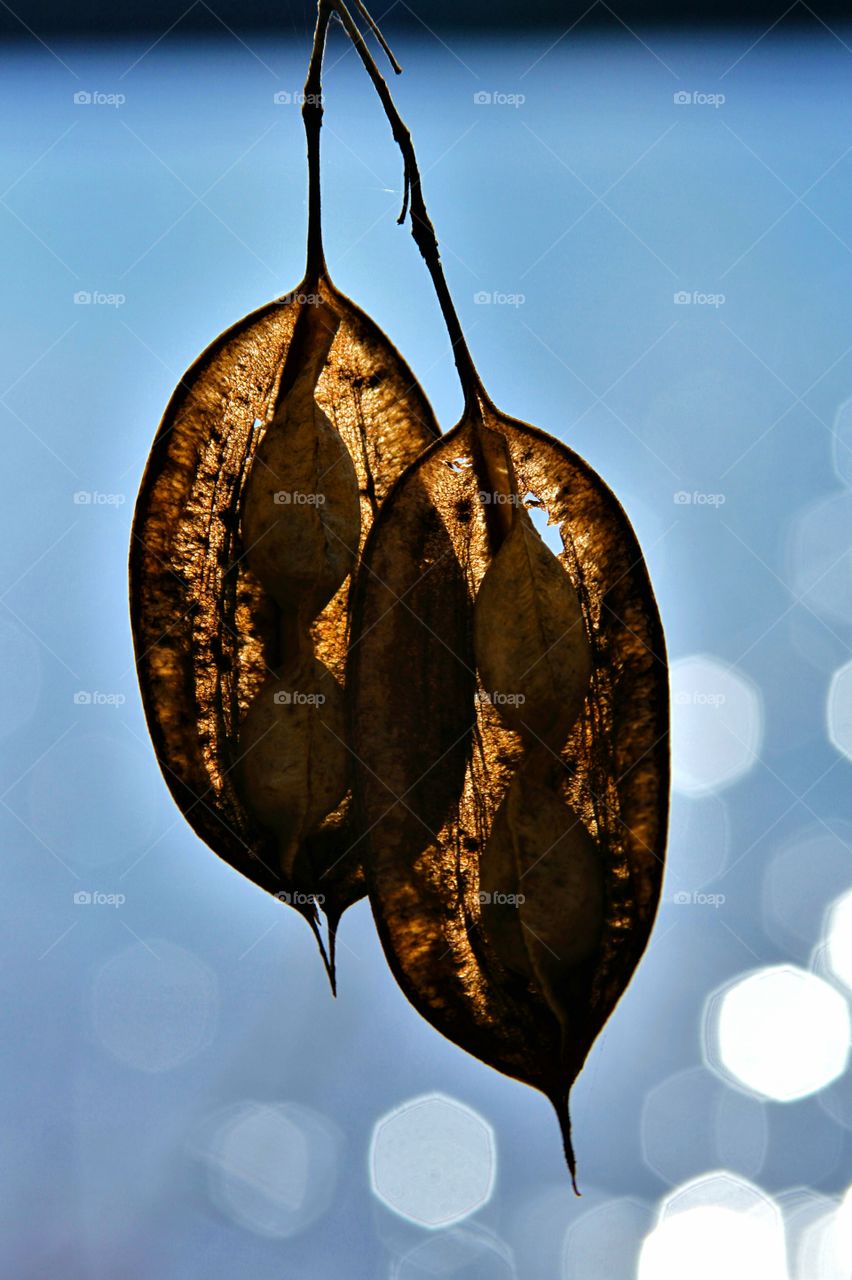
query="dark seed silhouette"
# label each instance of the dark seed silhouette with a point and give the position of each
(210, 632)
(509, 715)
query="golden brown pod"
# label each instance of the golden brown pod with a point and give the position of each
(441, 770)
(206, 633)
(218, 623)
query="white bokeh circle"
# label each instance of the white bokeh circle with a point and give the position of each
(272, 1167)
(155, 1005)
(780, 1032)
(433, 1161)
(842, 442)
(717, 724)
(838, 939)
(839, 710)
(715, 1226)
(821, 549)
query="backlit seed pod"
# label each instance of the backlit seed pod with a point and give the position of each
(529, 635)
(578, 818)
(294, 764)
(301, 510)
(542, 885)
(207, 635)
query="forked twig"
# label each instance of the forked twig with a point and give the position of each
(421, 225)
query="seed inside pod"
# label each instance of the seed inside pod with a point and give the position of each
(530, 638)
(542, 881)
(301, 512)
(294, 766)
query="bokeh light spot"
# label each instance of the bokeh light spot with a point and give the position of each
(691, 1120)
(842, 442)
(155, 1005)
(272, 1167)
(717, 724)
(839, 710)
(605, 1242)
(781, 1032)
(822, 555)
(433, 1161)
(838, 943)
(716, 1226)
(463, 1253)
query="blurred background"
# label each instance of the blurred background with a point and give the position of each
(646, 230)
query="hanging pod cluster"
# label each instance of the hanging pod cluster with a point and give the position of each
(364, 669)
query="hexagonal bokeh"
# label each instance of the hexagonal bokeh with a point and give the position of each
(802, 1208)
(460, 1253)
(271, 1167)
(433, 1161)
(154, 1005)
(839, 709)
(838, 939)
(801, 881)
(691, 1122)
(699, 841)
(823, 1247)
(605, 1242)
(842, 442)
(716, 1226)
(781, 1032)
(820, 548)
(717, 724)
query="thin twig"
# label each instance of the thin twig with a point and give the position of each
(421, 226)
(362, 9)
(312, 111)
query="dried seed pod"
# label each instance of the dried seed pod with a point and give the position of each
(207, 635)
(542, 886)
(529, 636)
(294, 763)
(301, 513)
(514, 1009)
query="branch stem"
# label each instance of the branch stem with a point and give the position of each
(421, 225)
(312, 111)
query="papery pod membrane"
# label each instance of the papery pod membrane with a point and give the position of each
(424, 864)
(206, 635)
(530, 642)
(542, 887)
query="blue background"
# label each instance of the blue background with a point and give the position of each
(131, 1030)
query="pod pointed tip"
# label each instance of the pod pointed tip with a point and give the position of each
(327, 959)
(332, 954)
(560, 1105)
